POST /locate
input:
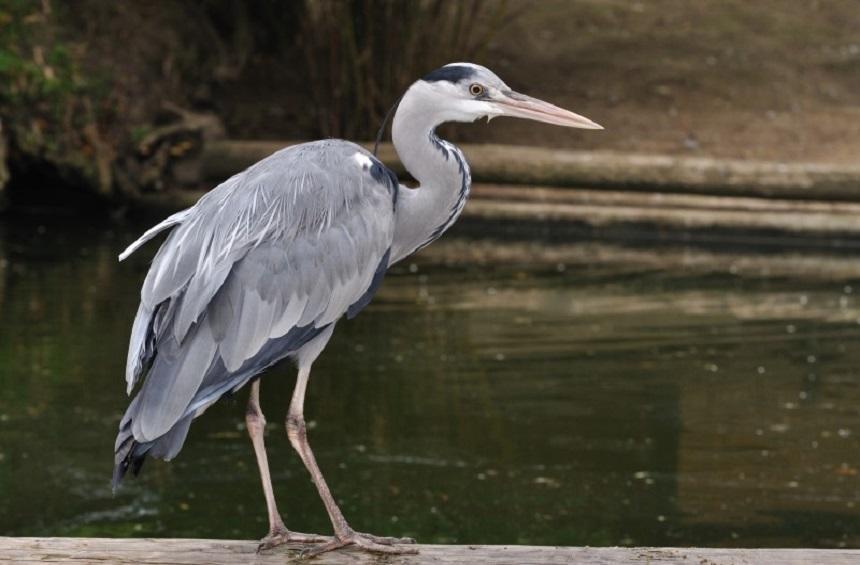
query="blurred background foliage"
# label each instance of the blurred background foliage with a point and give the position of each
(47, 100)
(83, 83)
(359, 56)
(88, 86)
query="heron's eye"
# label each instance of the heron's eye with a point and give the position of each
(476, 89)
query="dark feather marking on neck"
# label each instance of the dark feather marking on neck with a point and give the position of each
(448, 151)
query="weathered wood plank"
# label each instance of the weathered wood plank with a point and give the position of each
(217, 552)
(185, 551)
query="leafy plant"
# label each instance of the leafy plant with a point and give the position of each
(35, 68)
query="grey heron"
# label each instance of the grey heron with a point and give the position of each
(262, 267)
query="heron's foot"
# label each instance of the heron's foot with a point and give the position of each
(280, 536)
(366, 542)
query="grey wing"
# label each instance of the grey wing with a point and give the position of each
(256, 268)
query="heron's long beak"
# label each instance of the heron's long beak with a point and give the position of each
(521, 106)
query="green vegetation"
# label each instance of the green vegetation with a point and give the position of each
(43, 77)
(48, 103)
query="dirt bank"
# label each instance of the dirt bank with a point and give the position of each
(769, 80)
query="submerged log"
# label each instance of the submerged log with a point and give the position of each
(218, 552)
(550, 167)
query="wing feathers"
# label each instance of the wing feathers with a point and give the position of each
(139, 349)
(171, 384)
(289, 318)
(260, 265)
(171, 221)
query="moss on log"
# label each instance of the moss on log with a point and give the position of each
(549, 167)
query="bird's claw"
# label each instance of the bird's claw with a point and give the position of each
(282, 536)
(367, 542)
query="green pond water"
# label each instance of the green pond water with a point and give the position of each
(592, 402)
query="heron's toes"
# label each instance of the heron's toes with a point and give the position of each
(273, 539)
(281, 536)
(367, 542)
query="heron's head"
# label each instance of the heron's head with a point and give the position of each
(465, 92)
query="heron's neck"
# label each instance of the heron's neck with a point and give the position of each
(424, 213)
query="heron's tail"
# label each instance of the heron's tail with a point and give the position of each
(130, 454)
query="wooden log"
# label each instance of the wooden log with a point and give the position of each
(700, 175)
(552, 167)
(580, 196)
(810, 221)
(224, 552)
(680, 212)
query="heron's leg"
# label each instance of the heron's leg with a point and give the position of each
(278, 532)
(344, 534)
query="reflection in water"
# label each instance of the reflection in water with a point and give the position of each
(601, 401)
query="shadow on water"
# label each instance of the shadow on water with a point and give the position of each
(600, 397)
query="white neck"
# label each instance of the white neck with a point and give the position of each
(424, 213)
